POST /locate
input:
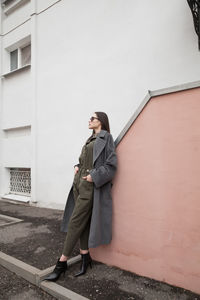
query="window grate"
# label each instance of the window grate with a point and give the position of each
(195, 8)
(20, 181)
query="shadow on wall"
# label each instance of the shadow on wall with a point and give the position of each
(156, 192)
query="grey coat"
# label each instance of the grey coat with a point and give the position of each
(104, 167)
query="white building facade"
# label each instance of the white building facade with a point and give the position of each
(62, 60)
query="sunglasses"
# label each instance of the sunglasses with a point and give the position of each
(92, 118)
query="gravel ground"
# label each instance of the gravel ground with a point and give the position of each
(103, 282)
(37, 240)
(13, 287)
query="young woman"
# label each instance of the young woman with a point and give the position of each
(88, 211)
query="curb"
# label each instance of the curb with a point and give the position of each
(35, 275)
(60, 292)
(19, 267)
(11, 220)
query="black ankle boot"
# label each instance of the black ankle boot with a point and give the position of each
(60, 268)
(86, 261)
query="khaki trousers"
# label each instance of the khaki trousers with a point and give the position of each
(79, 224)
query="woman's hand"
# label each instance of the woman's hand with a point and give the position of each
(76, 169)
(88, 178)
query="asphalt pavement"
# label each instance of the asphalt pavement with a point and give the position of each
(32, 235)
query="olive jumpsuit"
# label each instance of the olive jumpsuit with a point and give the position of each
(79, 224)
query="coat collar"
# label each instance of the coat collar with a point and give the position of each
(99, 144)
(102, 133)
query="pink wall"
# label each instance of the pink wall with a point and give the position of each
(156, 194)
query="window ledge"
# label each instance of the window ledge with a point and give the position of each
(13, 6)
(16, 71)
(25, 126)
(16, 197)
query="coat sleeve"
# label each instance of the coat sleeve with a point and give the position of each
(106, 172)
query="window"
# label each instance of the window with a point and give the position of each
(14, 60)
(20, 181)
(20, 57)
(9, 6)
(26, 55)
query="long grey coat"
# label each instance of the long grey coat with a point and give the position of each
(104, 167)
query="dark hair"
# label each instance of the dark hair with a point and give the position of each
(103, 118)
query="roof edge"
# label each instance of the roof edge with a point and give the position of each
(152, 94)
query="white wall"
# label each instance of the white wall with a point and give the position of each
(15, 100)
(102, 55)
(16, 97)
(1, 171)
(18, 16)
(88, 56)
(20, 155)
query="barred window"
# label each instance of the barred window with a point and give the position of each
(20, 181)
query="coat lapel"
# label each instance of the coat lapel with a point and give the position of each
(99, 145)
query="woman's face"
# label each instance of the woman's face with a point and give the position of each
(94, 123)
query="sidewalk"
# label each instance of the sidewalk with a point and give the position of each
(36, 240)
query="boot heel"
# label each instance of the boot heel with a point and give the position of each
(86, 261)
